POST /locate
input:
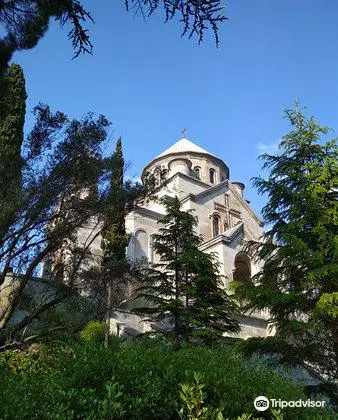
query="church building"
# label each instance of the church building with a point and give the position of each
(203, 183)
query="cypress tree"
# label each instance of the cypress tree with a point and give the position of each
(12, 118)
(114, 237)
(184, 288)
(114, 231)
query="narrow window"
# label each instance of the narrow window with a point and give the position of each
(215, 226)
(226, 200)
(198, 172)
(212, 176)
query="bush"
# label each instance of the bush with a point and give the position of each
(93, 332)
(86, 381)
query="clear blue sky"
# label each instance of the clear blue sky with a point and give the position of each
(150, 83)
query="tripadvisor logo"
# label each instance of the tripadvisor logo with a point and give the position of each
(262, 403)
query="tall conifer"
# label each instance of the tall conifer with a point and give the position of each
(12, 118)
(299, 280)
(184, 288)
(114, 237)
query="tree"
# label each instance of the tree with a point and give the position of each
(12, 119)
(299, 280)
(184, 287)
(62, 159)
(114, 236)
(26, 21)
(63, 167)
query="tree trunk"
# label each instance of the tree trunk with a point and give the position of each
(108, 315)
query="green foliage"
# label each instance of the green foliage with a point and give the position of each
(93, 332)
(299, 280)
(114, 237)
(327, 306)
(184, 288)
(273, 345)
(114, 264)
(193, 399)
(88, 382)
(194, 407)
(17, 361)
(59, 160)
(12, 118)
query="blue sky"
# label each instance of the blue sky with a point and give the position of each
(150, 83)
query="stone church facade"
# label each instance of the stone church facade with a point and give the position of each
(225, 219)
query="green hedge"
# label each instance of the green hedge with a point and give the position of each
(87, 381)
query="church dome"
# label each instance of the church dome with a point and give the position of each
(191, 160)
(183, 146)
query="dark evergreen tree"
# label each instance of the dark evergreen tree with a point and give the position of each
(299, 280)
(114, 233)
(184, 288)
(114, 236)
(12, 118)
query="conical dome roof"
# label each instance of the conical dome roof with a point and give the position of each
(182, 146)
(188, 150)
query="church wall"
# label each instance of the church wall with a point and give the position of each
(156, 206)
(204, 211)
(89, 235)
(182, 186)
(253, 227)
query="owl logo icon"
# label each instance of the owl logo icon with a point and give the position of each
(261, 403)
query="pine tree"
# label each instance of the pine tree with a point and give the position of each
(114, 237)
(12, 118)
(299, 280)
(184, 287)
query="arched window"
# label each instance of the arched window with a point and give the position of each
(212, 176)
(215, 225)
(141, 244)
(197, 170)
(242, 270)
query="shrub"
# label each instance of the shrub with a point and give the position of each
(86, 381)
(93, 332)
